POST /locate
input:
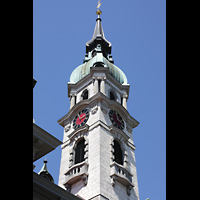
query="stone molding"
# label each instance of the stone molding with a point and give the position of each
(122, 175)
(76, 173)
(107, 103)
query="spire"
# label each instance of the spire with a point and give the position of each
(45, 173)
(98, 36)
(44, 167)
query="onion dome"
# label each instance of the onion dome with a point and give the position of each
(84, 69)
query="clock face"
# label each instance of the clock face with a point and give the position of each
(80, 119)
(116, 119)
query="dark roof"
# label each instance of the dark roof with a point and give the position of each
(98, 38)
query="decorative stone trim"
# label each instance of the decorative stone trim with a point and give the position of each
(119, 172)
(126, 159)
(112, 157)
(86, 149)
(72, 150)
(130, 144)
(119, 134)
(94, 108)
(67, 128)
(125, 153)
(65, 144)
(99, 123)
(80, 132)
(115, 105)
(122, 175)
(76, 173)
(104, 107)
(128, 128)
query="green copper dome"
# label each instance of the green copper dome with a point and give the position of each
(84, 69)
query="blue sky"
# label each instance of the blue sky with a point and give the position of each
(137, 31)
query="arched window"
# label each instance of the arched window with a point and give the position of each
(85, 94)
(79, 151)
(112, 96)
(118, 153)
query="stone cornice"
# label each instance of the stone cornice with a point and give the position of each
(75, 132)
(122, 134)
(98, 72)
(43, 142)
(45, 136)
(99, 97)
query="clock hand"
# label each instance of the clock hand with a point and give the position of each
(79, 117)
(82, 117)
(118, 118)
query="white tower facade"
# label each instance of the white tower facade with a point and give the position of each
(98, 159)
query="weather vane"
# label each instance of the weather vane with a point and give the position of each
(98, 12)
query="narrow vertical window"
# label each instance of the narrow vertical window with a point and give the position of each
(112, 96)
(85, 94)
(118, 153)
(99, 84)
(121, 100)
(79, 151)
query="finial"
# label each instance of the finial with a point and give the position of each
(44, 167)
(98, 12)
(45, 161)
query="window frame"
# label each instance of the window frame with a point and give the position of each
(118, 158)
(79, 151)
(83, 93)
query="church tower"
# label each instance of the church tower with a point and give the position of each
(98, 159)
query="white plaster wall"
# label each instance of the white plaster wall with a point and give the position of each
(93, 185)
(64, 166)
(99, 180)
(132, 164)
(118, 191)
